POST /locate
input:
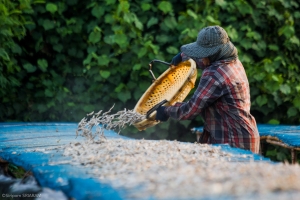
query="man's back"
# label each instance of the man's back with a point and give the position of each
(228, 118)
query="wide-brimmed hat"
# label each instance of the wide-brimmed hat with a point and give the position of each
(210, 40)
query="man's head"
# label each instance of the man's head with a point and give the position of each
(212, 42)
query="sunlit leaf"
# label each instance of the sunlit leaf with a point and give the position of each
(285, 89)
(142, 52)
(137, 67)
(109, 2)
(152, 21)
(98, 11)
(121, 39)
(87, 60)
(94, 37)
(48, 24)
(103, 60)
(170, 22)
(232, 33)
(165, 6)
(287, 30)
(244, 7)
(261, 100)
(51, 7)
(119, 87)
(212, 20)
(71, 104)
(172, 50)
(137, 23)
(273, 47)
(105, 74)
(274, 122)
(295, 40)
(124, 95)
(4, 55)
(260, 76)
(296, 102)
(29, 67)
(271, 153)
(297, 14)
(221, 3)
(16, 49)
(42, 64)
(192, 14)
(123, 6)
(128, 17)
(254, 35)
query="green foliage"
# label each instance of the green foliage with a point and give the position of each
(17, 171)
(14, 15)
(279, 154)
(63, 59)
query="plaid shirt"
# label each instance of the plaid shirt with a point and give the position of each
(223, 100)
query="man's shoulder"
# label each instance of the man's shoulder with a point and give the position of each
(216, 68)
(223, 65)
(221, 70)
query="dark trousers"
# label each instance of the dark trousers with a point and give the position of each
(205, 137)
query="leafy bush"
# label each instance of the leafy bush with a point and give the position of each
(80, 56)
(279, 154)
(12, 28)
(14, 16)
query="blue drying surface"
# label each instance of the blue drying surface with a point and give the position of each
(289, 135)
(18, 142)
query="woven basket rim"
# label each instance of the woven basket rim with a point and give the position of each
(155, 84)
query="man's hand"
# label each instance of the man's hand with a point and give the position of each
(176, 59)
(160, 114)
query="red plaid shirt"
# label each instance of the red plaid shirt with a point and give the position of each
(223, 100)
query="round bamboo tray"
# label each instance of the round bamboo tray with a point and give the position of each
(173, 86)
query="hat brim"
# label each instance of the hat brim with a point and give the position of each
(193, 50)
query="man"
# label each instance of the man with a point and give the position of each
(222, 97)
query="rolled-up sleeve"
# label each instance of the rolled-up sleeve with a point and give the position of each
(208, 91)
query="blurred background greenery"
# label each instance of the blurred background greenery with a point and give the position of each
(62, 59)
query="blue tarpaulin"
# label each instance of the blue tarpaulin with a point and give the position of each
(289, 135)
(18, 140)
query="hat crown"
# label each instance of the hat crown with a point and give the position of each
(212, 36)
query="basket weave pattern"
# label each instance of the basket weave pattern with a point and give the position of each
(173, 85)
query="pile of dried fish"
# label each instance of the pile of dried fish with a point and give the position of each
(95, 123)
(149, 169)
